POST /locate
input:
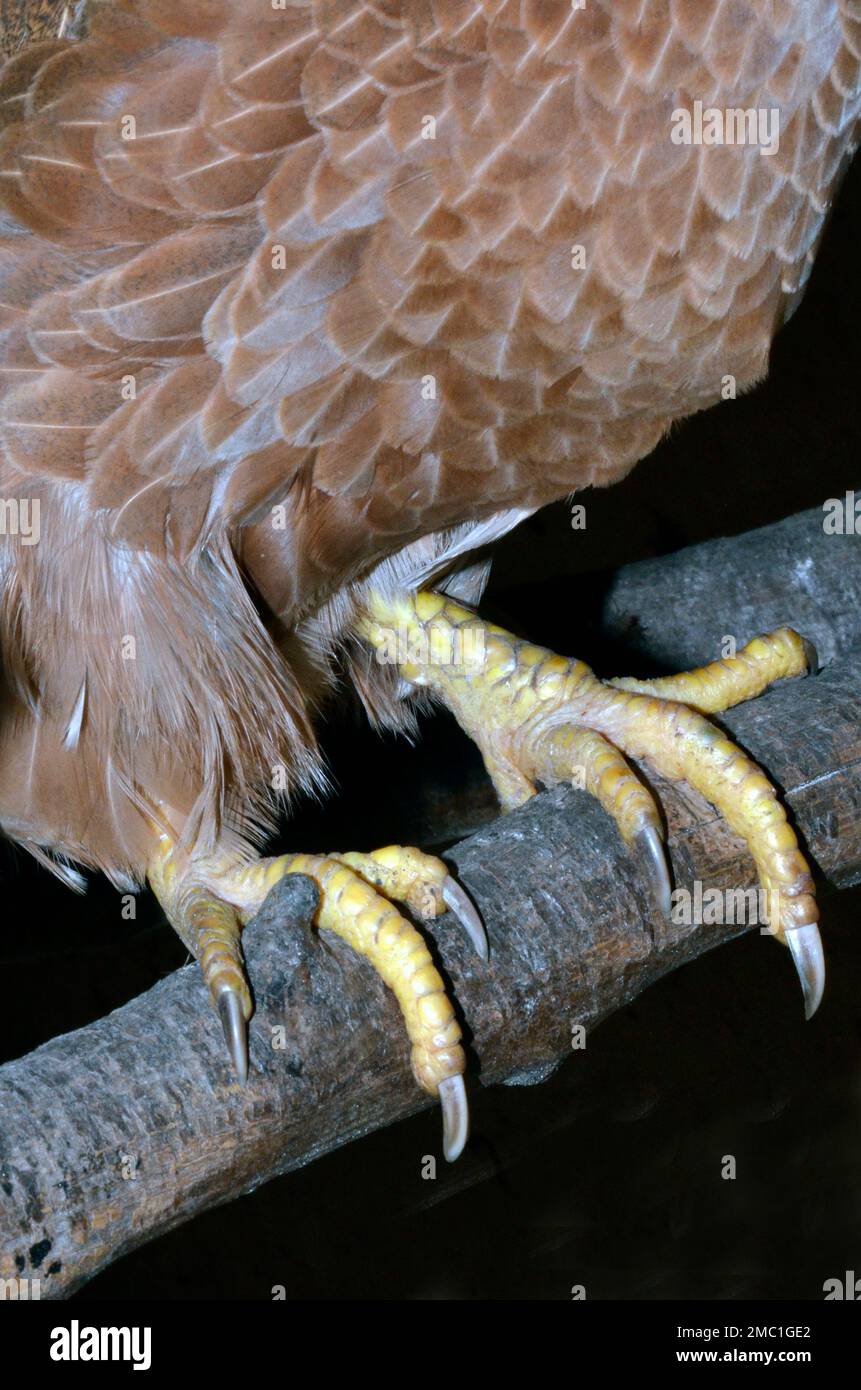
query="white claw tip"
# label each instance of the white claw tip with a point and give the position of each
(455, 1117)
(235, 1032)
(655, 857)
(466, 913)
(811, 656)
(805, 944)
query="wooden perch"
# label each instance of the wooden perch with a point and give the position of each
(114, 1134)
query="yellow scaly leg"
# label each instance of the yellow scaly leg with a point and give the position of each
(209, 897)
(538, 717)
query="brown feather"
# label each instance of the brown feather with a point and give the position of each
(287, 306)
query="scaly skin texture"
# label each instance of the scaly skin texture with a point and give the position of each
(207, 924)
(540, 717)
(722, 684)
(403, 873)
(208, 898)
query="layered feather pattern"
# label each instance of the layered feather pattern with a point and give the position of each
(287, 289)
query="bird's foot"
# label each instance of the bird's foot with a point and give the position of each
(541, 718)
(208, 899)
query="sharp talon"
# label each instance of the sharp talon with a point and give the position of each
(466, 912)
(455, 1116)
(653, 852)
(805, 944)
(235, 1032)
(812, 656)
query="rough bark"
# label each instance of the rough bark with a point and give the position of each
(113, 1134)
(673, 611)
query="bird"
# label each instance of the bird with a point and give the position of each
(303, 305)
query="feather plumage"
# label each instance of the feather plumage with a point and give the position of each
(297, 299)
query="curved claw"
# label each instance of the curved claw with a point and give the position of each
(811, 655)
(464, 909)
(805, 944)
(455, 1116)
(652, 852)
(235, 1032)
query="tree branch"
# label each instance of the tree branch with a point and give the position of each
(114, 1134)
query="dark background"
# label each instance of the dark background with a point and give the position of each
(608, 1175)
